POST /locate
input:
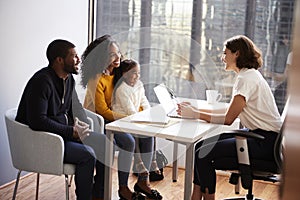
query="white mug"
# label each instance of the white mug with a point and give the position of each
(213, 96)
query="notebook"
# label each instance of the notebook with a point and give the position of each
(168, 99)
(146, 118)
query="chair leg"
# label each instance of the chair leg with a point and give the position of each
(37, 186)
(70, 182)
(16, 185)
(67, 186)
(237, 186)
(249, 195)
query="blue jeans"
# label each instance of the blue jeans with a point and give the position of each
(220, 153)
(126, 145)
(144, 147)
(84, 155)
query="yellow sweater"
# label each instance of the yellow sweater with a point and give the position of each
(99, 95)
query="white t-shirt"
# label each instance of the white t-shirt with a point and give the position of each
(261, 111)
(128, 99)
(289, 58)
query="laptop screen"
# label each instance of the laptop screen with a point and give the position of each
(165, 98)
(162, 94)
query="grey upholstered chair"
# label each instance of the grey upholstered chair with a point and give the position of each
(40, 152)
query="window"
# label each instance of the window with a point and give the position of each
(179, 42)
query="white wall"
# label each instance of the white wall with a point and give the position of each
(27, 27)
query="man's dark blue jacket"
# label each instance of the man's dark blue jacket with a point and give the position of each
(47, 102)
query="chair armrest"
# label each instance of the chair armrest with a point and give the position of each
(98, 121)
(246, 134)
(241, 137)
(91, 123)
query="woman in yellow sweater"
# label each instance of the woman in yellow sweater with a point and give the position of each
(99, 60)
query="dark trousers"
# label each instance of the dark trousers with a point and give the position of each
(86, 156)
(126, 145)
(144, 147)
(220, 153)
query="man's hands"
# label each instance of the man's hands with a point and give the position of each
(81, 129)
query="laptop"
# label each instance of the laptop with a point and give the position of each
(168, 99)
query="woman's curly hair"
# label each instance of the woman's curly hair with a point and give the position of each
(95, 58)
(249, 55)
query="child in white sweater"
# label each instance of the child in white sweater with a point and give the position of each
(129, 98)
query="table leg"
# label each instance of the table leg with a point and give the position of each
(109, 145)
(175, 162)
(189, 162)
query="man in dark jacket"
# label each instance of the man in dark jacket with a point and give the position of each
(50, 103)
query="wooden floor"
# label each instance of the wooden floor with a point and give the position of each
(52, 188)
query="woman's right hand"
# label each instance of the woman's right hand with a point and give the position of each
(186, 110)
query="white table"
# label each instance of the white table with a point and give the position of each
(185, 131)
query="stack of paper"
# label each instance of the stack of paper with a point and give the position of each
(140, 118)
